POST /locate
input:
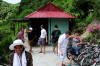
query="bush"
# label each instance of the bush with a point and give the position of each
(4, 45)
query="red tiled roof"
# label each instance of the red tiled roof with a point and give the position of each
(49, 11)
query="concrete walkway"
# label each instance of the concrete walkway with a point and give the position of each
(47, 59)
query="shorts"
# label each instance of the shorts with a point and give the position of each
(42, 41)
(30, 42)
(62, 57)
(55, 45)
(73, 51)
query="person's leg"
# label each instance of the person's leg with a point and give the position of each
(40, 45)
(40, 48)
(43, 45)
(61, 59)
(53, 48)
(30, 48)
(71, 59)
(56, 48)
(44, 49)
(61, 62)
(71, 56)
(29, 43)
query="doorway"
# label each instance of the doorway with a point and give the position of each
(35, 24)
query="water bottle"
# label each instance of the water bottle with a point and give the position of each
(76, 49)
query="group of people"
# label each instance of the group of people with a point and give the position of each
(24, 34)
(20, 57)
(61, 42)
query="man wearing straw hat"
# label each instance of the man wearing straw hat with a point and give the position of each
(19, 57)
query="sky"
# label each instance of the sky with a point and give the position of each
(12, 1)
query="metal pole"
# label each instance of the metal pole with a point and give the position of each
(50, 30)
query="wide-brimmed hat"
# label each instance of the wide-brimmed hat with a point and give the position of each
(16, 42)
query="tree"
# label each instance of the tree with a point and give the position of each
(96, 8)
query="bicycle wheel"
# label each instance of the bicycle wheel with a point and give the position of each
(68, 52)
(68, 55)
(98, 63)
(81, 56)
(87, 61)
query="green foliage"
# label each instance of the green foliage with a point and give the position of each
(89, 37)
(97, 9)
(4, 45)
(32, 4)
(78, 8)
(89, 19)
(6, 14)
(25, 12)
(6, 10)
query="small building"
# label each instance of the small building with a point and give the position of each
(49, 15)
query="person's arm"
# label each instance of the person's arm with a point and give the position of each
(80, 42)
(46, 38)
(59, 47)
(39, 37)
(52, 34)
(60, 41)
(71, 36)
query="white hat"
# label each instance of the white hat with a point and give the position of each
(30, 28)
(16, 42)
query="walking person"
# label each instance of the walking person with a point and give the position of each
(19, 57)
(54, 37)
(20, 34)
(62, 47)
(30, 38)
(43, 39)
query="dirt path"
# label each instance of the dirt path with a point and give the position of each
(47, 59)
